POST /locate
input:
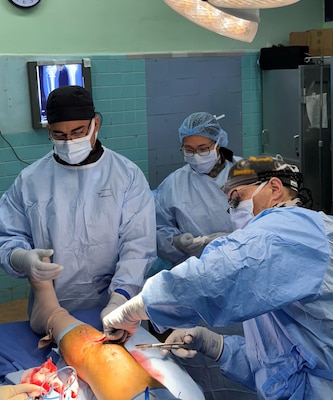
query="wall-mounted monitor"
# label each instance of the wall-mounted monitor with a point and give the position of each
(45, 76)
(328, 11)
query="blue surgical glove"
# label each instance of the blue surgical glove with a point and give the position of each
(35, 264)
(198, 339)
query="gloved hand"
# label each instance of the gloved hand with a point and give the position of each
(126, 317)
(35, 264)
(116, 300)
(212, 236)
(198, 339)
(18, 392)
(189, 244)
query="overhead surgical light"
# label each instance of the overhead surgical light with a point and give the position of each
(251, 3)
(235, 24)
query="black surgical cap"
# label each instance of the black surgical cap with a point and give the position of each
(69, 103)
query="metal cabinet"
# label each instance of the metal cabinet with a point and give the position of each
(297, 124)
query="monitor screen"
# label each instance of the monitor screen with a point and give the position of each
(46, 76)
(328, 11)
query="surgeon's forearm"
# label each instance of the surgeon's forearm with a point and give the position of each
(165, 247)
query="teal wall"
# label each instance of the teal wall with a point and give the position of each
(132, 26)
(119, 93)
(118, 36)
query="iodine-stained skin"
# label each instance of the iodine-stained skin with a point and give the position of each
(147, 365)
(109, 369)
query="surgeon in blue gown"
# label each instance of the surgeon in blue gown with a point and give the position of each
(83, 207)
(191, 210)
(275, 275)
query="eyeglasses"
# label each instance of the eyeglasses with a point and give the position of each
(235, 197)
(203, 150)
(77, 134)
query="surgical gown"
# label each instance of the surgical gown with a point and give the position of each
(275, 275)
(99, 218)
(187, 201)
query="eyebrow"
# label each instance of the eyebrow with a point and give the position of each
(200, 145)
(73, 130)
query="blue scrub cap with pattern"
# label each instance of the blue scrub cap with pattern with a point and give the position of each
(203, 124)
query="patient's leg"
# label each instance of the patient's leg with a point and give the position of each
(47, 316)
(45, 302)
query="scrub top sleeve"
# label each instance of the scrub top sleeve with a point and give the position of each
(14, 226)
(166, 228)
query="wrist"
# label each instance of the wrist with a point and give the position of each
(215, 346)
(136, 308)
(220, 348)
(211, 343)
(117, 299)
(123, 293)
(16, 259)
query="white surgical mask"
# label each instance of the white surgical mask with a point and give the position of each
(76, 150)
(243, 213)
(203, 164)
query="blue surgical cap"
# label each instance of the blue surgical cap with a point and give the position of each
(203, 124)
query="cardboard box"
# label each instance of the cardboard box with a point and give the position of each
(298, 38)
(319, 41)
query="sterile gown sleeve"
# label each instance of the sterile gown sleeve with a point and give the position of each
(188, 202)
(276, 276)
(234, 361)
(99, 218)
(245, 274)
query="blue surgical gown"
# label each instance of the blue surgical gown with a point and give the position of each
(275, 275)
(99, 219)
(187, 201)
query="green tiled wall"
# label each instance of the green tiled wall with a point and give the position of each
(119, 91)
(12, 288)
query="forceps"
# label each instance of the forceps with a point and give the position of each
(163, 346)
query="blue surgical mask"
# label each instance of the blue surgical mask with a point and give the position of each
(203, 164)
(243, 213)
(76, 150)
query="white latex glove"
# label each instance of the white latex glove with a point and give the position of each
(127, 318)
(212, 236)
(116, 300)
(18, 392)
(188, 244)
(198, 339)
(35, 264)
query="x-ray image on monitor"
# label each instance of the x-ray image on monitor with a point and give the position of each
(47, 76)
(54, 76)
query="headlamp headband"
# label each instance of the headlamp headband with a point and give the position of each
(256, 169)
